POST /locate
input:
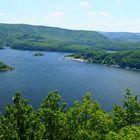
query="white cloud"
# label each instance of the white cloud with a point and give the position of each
(91, 13)
(2, 14)
(119, 2)
(100, 14)
(103, 13)
(84, 4)
(55, 16)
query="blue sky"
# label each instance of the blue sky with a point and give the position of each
(100, 15)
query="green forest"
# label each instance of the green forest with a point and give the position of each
(29, 37)
(124, 59)
(85, 120)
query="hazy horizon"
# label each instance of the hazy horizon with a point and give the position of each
(68, 28)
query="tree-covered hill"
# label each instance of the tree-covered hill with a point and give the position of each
(123, 36)
(86, 120)
(22, 36)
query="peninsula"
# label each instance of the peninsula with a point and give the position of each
(4, 67)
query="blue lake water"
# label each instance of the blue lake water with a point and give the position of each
(36, 76)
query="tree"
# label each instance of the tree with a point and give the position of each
(118, 114)
(21, 121)
(126, 133)
(52, 116)
(131, 107)
(128, 114)
(84, 121)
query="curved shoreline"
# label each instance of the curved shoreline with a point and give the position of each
(115, 66)
(76, 59)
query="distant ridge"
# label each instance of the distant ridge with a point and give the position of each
(123, 36)
(38, 37)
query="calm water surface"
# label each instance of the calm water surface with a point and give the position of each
(36, 76)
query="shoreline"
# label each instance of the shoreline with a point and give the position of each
(75, 59)
(115, 66)
(4, 67)
(4, 70)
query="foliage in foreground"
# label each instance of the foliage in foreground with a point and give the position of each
(84, 121)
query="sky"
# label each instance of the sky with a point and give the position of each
(97, 15)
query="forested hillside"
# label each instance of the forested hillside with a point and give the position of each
(84, 121)
(123, 36)
(50, 38)
(21, 36)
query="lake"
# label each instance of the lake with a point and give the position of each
(36, 76)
